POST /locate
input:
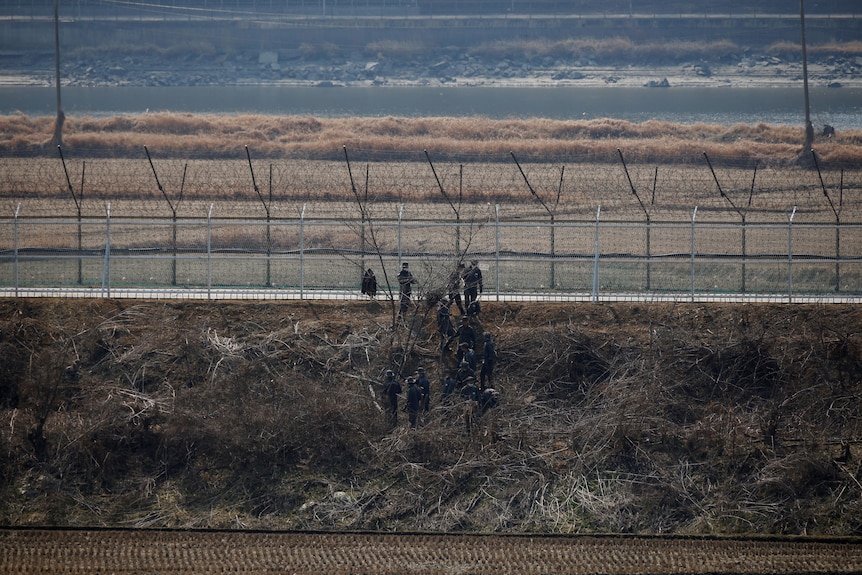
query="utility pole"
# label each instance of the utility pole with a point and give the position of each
(809, 129)
(57, 139)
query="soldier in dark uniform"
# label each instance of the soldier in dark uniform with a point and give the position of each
(444, 325)
(369, 283)
(488, 398)
(466, 353)
(463, 373)
(448, 387)
(489, 358)
(425, 385)
(414, 401)
(405, 287)
(392, 389)
(470, 396)
(472, 288)
(466, 333)
(456, 282)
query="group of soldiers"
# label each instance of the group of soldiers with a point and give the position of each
(456, 388)
(459, 384)
(462, 278)
(468, 279)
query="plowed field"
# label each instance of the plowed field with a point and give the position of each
(30, 551)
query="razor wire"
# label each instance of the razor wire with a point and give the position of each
(723, 187)
(721, 225)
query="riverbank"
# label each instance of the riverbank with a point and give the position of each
(444, 69)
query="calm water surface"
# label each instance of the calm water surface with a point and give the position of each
(840, 107)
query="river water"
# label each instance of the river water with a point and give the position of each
(839, 107)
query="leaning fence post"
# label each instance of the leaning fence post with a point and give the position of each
(106, 270)
(17, 210)
(693, 218)
(595, 296)
(497, 248)
(645, 211)
(741, 213)
(209, 253)
(790, 256)
(302, 252)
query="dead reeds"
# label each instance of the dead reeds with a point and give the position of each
(468, 139)
(670, 418)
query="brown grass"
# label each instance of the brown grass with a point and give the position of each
(637, 418)
(212, 136)
(792, 49)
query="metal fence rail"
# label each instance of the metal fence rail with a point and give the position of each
(302, 257)
(248, 9)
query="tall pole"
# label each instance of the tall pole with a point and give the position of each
(57, 139)
(809, 129)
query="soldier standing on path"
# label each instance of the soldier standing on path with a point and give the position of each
(369, 283)
(472, 288)
(456, 283)
(405, 287)
(391, 389)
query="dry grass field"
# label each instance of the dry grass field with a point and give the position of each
(298, 161)
(32, 552)
(687, 419)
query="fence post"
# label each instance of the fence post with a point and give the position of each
(106, 270)
(400, 219)
(209, 253)
(595, 296)
(790, 256)
(302, 253)
(17, 210)
(693, 218)
(497, 247)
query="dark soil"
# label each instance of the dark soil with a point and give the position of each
(149, 551)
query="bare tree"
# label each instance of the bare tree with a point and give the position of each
(429, 290)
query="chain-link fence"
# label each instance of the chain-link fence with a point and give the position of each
(570, 229)
(598, 259)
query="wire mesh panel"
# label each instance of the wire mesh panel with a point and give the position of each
(536, 226)
(516, 257)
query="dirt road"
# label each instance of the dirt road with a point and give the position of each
(30, 551)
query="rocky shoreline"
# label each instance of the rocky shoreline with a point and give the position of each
(448, 69)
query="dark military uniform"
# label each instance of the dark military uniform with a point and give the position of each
(391, 389)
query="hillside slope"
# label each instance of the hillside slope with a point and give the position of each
(646, 418)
